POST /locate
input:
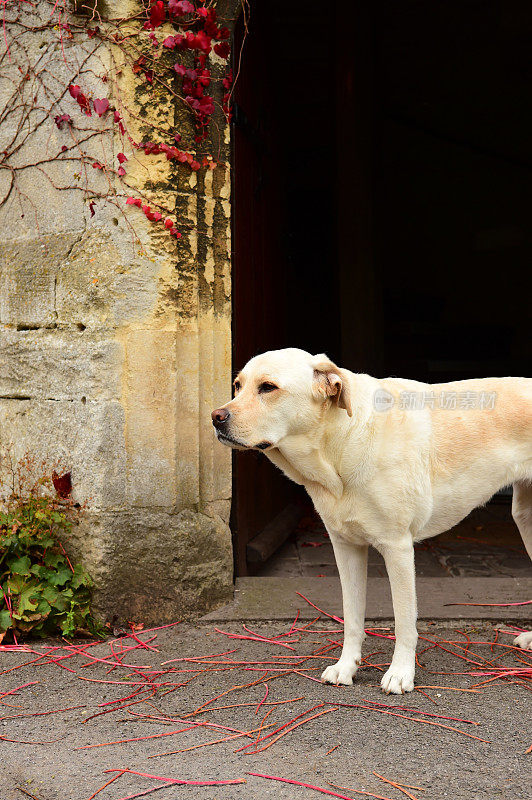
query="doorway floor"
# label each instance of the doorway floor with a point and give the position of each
(487, 543)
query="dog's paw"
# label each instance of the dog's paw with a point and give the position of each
(340, 673)
(398, 680)
(524, 640)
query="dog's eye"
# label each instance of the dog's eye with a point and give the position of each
(237, 386)
(267, 387)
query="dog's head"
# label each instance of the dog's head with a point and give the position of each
(277, 394)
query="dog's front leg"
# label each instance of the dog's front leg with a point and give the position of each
(399, 559)
(352, 562)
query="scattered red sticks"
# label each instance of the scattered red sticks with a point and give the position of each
(131, 663)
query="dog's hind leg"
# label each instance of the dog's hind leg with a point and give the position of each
(522, 514)
(352, 562)
(399, 560)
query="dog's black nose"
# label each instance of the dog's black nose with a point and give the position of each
(219, 417)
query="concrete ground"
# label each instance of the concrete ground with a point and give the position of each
(344, 746)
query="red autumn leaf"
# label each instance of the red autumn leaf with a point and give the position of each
(134, 201)
(59, 119)
(180, 7)
(157, 14)
(64, 148)
(222, 49)
(228, 80)
(91, 207)
(121, 171)
(80, 98)
(151, 148)
(100, 106)
(169, 42)
(171, 152)
(157, 216)
(62, 483)
(117, 118)
(121, 158)
(177, 137)
(138, 65)
(180, 41)
(203, 42)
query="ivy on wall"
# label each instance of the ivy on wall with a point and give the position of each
(62, 72)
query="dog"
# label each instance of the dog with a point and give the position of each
(386, 463)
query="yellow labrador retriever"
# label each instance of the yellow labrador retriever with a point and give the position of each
(387, 463)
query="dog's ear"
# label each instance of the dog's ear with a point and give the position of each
(330, 381)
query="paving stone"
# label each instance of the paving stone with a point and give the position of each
(485, 543)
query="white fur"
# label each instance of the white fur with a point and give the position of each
(385, 478)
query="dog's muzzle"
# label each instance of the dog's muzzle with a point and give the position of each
(220, 419)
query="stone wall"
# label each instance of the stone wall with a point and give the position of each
(113, 351)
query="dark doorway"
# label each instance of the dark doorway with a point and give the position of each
(451, 187)
(381, 200)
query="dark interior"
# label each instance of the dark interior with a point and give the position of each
(381, 198)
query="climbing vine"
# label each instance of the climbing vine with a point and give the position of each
(62, 71)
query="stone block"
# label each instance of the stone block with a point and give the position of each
(59, 365)
(86, 438)
(98, 288)
(28, 271)
(155, 567)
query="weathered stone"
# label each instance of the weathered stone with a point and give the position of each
(97, 287)
(86, 438)
(59, 365)
(149, 389)
(156, 567)
(28, 271)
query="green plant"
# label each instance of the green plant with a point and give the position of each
(42, 591)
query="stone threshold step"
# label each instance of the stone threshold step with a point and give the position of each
(275, 598)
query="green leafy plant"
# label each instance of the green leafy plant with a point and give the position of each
(41, 591)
